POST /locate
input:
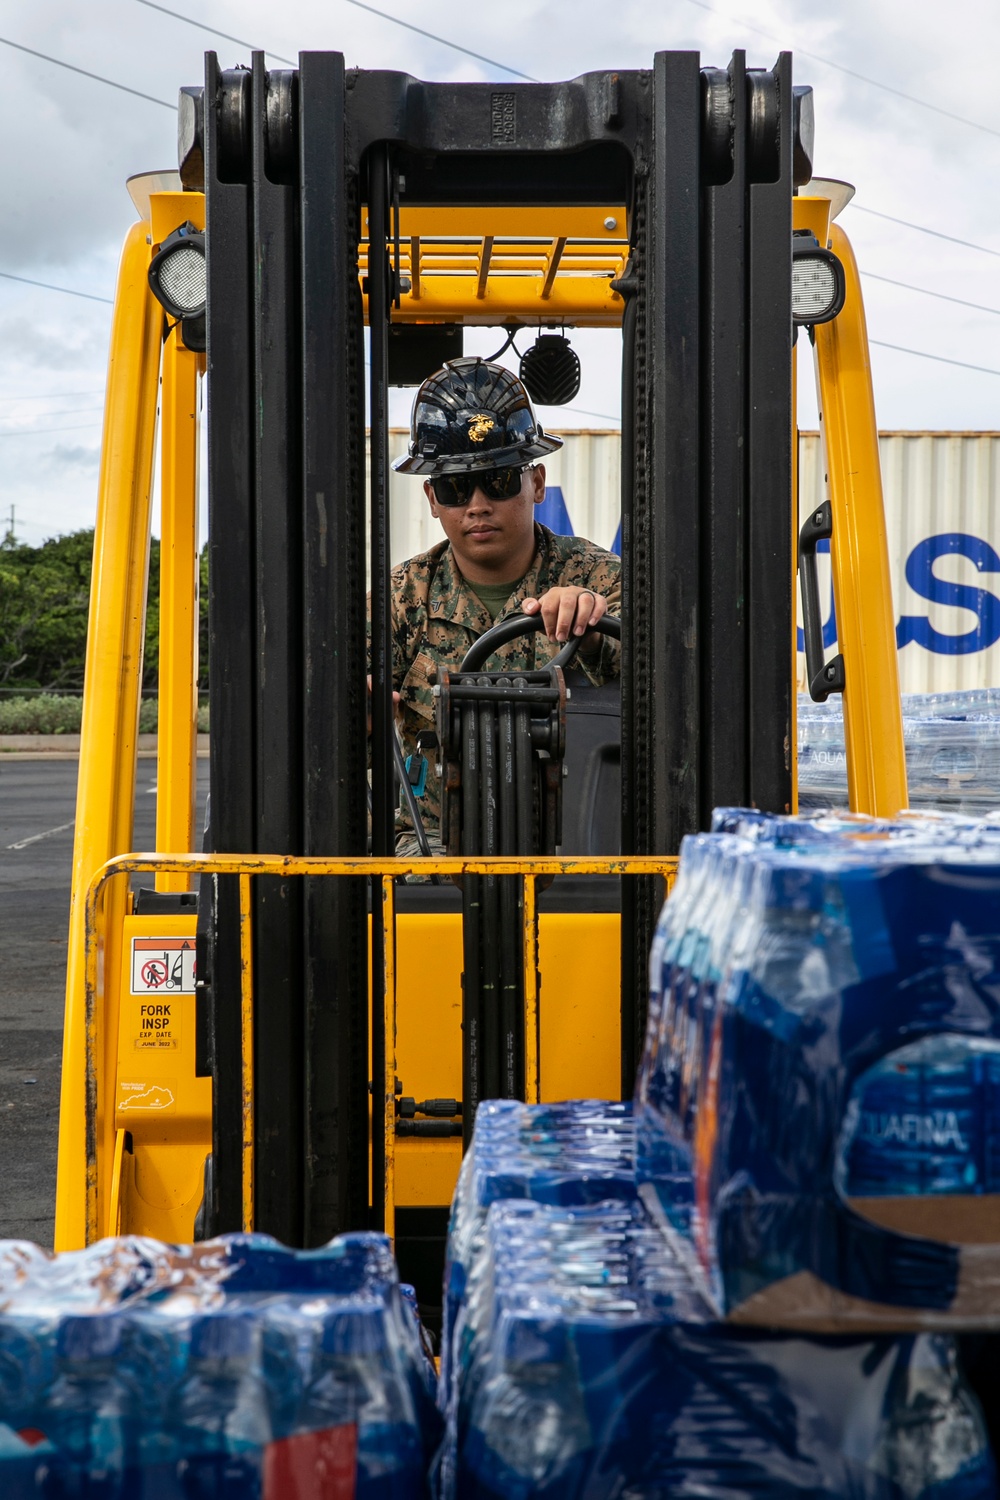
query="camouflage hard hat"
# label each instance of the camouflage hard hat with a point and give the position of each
(473, 415)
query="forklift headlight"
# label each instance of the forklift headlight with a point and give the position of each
(178, 274)
(818, 282)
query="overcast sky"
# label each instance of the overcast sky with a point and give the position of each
(72, 142)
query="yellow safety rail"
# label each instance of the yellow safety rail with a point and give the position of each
(859, 549)
(386, 871)
(496, 265)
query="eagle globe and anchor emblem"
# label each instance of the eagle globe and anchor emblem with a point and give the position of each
(480, 427)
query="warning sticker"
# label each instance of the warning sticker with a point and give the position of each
(151, 1098)
(163, 966)
(157, 1026)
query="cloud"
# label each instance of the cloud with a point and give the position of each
(71, 143)
(78, 458)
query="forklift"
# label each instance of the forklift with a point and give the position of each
(268, 1026)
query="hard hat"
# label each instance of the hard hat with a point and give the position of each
(472, 415)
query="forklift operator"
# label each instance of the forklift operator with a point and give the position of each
(475, 440)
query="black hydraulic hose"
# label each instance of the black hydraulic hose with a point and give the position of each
(524, 773)
(507, 779)
(472, 1010)
(511, 913)
(490, 896)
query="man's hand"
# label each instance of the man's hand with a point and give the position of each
(395, 704)
(569, 611)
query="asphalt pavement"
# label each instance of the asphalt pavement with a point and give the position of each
(37, 808)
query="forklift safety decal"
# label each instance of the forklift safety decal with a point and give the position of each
(156, 1026)
(163, 966)
(158, 1098)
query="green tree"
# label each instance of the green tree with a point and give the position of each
(44, 594)
(44, 602)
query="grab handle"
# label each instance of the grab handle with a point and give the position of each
(824, 677)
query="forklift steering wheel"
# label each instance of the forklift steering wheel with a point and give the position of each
(516, 625)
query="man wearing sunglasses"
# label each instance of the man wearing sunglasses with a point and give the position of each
(475, 441)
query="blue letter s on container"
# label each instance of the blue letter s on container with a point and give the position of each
(980, 602)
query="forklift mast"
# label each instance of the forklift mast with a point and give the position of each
(661, 202)
(299, 168)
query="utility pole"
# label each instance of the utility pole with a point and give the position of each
(10, 538)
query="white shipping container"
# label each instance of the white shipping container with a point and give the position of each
(942, 506)
(942, 502)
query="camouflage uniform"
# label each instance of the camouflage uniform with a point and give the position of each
(436, 616)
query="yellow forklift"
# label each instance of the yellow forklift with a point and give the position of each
(281, 1033)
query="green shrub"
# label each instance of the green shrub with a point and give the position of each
(48, 713)
(44, 713)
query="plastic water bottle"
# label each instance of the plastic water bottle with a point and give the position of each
(356, 1382)
(23, 1446)
(925, 1120)
(219, 1414)
(932, 1438)
(529, 1428)
(21, 1369)
(90, 1415)
(152, 1356)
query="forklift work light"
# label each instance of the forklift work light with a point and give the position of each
(550, 370)
(177, 273)
(818, 283)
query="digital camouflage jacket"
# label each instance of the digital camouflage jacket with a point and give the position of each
(436, 616)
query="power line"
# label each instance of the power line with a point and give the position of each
(41, 431)
(214, 31)
(72, 411)
(605, 416)
(969, 245)
(940, 358)
(875, 83)
(52, 396)
(443, 40)
(926, 292)
(48, 287)
(84, 73)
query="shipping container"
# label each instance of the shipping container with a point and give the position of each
(942, 502)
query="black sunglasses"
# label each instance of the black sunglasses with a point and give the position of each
(496, 484)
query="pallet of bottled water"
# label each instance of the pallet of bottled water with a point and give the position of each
(822, 1070)
(952, 743)
(230, 1370)
(570, 1153)
(583, 1361)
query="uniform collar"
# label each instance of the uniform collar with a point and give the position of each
(452, 598)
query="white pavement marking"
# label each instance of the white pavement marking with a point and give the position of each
(23, 843)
